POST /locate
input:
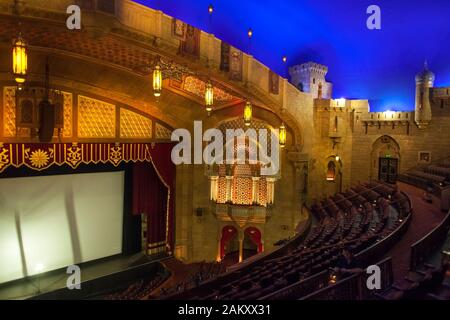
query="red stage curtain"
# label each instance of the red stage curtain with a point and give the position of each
(154, 194)
(255, 236)
(228, 233)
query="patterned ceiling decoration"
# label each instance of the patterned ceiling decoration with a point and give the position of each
(239, 124)
(107, 48)
(133, 125)
(197, 87)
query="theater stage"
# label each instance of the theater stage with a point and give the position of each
(97, 277)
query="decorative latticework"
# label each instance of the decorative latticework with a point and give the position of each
(245, 184)
(96, 119)
(9, 111)
(134, 125)
(263, 140)
(162, 132)
(242, 190)
(68, 115)
(242, 170)
(262, 192)
(222, 190)
(197, 87)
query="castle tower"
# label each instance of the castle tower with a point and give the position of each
(424, 82)
(310, 77)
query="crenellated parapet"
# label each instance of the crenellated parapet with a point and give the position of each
(310, 77)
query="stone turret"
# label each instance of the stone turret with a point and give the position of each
(310, 77)
(424, 83)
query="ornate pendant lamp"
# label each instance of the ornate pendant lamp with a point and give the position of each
(248, 113)
(282, 136)
(20, 60)
(157, 81)
(209, 97)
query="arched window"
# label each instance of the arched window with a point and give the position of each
(331, 172)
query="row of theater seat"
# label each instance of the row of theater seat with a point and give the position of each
(357, 217)
(429, 175)
(139, 289)
(206, 271)
(414, 283)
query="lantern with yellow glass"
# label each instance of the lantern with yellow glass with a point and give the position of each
(20, 60)
(157, 81)
(282, 136)
(248, 113)
(209, 97)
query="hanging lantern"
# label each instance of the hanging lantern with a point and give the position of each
(282, 136)
(20, 60)
(209, 97)
(157, 81)
(248, 113)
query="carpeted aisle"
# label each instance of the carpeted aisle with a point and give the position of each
(425, 218)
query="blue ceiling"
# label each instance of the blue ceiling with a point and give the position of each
(378, 65)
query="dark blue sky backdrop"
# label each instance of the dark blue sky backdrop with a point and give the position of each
(379, 65)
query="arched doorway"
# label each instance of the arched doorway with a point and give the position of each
(385, 159)
(229, 244)
(333, 175)
(252, 242)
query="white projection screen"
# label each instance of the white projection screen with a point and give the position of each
(50, 222)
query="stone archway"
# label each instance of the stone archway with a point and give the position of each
(386, 154)
(332, 168)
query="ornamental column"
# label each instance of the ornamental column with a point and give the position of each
(270, 190)
(214, 187)
(255, 189)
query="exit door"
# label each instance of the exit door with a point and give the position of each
(388, 170)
